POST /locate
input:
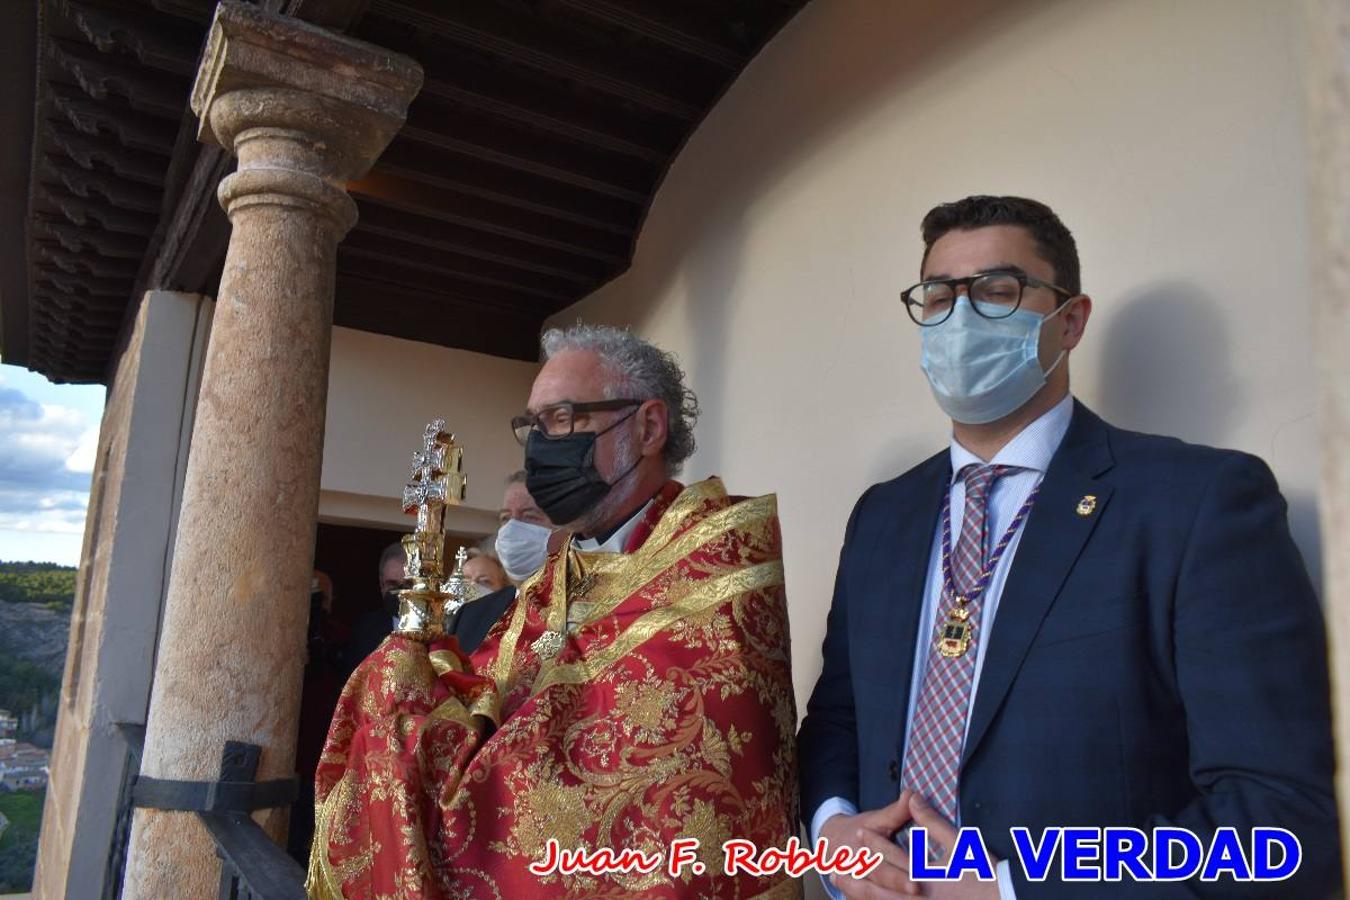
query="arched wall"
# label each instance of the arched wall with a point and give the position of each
(1169, 137)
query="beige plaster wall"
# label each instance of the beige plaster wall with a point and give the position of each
(382, 392)
(1327, 26)
(1167, 135)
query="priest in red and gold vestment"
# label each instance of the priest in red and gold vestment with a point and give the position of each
(637, 692)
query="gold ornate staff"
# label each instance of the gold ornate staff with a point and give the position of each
(438, 481)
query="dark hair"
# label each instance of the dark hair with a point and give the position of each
(516, 477)
(1054, 242)
(395, 549)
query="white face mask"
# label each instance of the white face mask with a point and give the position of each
(522, 547)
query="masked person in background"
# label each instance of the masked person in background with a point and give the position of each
(485, 570)
(637, 691)
(475, 619)
(1057, 622)
(374, 625)
(523, 535)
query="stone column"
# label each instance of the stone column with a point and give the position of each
(304, 111)
(1327, 76)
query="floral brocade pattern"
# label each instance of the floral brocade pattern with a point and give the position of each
(667, 714)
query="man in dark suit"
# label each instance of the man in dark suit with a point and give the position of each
(374, 625)
(470, 624)
(1056, 622)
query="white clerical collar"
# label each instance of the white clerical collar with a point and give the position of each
(619, 539)
(1033, 446)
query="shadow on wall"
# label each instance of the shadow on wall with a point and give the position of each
(1166, 364)
(699, 236)
(1167, 368)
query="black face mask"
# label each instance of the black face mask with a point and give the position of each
(560, 474)
(390, 602)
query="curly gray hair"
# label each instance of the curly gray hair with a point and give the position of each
(643, 372)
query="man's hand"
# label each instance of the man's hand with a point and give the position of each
(942, 838)
(874, 830)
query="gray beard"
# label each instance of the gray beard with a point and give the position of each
(619, 495)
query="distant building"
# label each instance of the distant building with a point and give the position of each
(23, 767)
(8, 724)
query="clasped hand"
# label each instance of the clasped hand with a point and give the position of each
(874, 830)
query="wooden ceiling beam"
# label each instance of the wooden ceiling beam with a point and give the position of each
(425, 233)
(519, 148)
(88, 184)
(83, 212)
(132, 130)
(399, 246)
(125, 31)
(100, 76)
(457, 96)
(511, 160)
(369, 304)
(481, 80)
(114, 289)
(336, 15)
(85, 240)
(370, 250)
(433, 198)
(513, 36)
(90, 152)
(53, 254)
(653, 23)
(396, 274)
(552, 200)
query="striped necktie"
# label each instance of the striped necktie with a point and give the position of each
(937, 734)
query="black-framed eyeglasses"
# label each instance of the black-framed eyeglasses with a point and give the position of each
(558, 420)
(994, 295)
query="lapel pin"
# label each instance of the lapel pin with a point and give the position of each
(1087, 505)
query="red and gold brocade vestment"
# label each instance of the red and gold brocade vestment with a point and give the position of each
(667, 713)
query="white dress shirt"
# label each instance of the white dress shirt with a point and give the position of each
(619, 539)
(1031, 451)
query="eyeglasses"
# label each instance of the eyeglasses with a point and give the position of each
(994, 295)
(558, 420)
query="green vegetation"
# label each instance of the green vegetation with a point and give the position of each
(18, 845)
(47, 584)
(24, 685)
(29, 692)
(24, 811)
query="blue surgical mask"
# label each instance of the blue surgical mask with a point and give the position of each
(982, 369)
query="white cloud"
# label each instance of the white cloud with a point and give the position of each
(47, 453)
(82, 457)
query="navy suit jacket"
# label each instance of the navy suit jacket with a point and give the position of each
(1160, 661)
(474, 620)
(471, 624)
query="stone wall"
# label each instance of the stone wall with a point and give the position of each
(123, 569)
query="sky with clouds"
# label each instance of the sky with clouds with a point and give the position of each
(48, 442)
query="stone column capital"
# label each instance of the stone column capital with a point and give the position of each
(340, 100)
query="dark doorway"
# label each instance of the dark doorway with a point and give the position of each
(350, 556)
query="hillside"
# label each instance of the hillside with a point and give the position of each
(35, 604)
(35, 635)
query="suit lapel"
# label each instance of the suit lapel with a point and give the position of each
(1052, 540)
(903, 559)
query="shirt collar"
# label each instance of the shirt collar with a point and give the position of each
(1033, 446)
(619, 539)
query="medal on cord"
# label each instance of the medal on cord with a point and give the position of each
(957, 632)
